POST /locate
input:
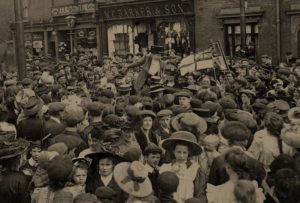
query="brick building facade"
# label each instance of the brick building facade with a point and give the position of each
(211, 20)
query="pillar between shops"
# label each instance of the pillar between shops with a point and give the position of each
(103, 39)
(46, 46)
(56, 46)
(99, 44)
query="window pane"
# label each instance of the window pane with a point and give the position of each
(229, 30)
(237, 29)
(248, 29)
(256, 29)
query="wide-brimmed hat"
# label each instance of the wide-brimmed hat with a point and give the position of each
(124, 88)
(189, 119)
(96, 156)
(32, 106)
(133, 179)
(183, 136)
(294, 113)
(156, 88)
(12, 149)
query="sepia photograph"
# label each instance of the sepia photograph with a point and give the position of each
(150, 101)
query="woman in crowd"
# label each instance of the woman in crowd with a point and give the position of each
(267, 143)
(237, 169)
(101, 173)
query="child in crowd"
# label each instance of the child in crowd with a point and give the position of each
(152, 155)
(205, 159)
(79, 178)
(184, 144)
(32, 163)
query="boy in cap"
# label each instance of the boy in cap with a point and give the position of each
(72, 116)
(184, 100)
(54, 125)
(164, 120)
(152, 155)
(32, 163)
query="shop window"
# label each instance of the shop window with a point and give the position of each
(120, 39)
(174, 35)
(233, 39)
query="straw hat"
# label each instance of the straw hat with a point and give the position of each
(183, 136)
(133, 178)
(294, 113)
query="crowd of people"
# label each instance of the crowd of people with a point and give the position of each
(89, 131)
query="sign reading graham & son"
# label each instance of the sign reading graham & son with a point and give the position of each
(73, 9)
(155, 9)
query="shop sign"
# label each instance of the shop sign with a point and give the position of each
(81, 33)
(28, 43)
(37, 44)
(73, 9)
(168, 8)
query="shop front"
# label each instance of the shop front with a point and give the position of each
(75, 29)
(134, 27)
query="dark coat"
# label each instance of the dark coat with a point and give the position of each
(94, 181)
(218, 174)
(162, 133)
(166, 198)
(142, 139)
(54, 128)
(14, 188)
(31, 129)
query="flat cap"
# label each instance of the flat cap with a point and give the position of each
(183, 94)
(27, 81)
(152, 148)
(280, 105)
(56, 107)
(164, 112)
(95, 106)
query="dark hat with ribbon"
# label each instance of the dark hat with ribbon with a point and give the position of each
(32, 106)
(133, 178)
(11, 149)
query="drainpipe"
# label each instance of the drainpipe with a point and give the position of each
(278, 30)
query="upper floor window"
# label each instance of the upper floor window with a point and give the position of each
(233, 39)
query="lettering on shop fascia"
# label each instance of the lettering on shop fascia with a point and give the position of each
(143, 11)
(73, 9)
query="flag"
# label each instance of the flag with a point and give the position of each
(219, 56)
(204, 60)
(187, 65)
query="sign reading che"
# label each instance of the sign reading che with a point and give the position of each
(73, 9)
(145, 10)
